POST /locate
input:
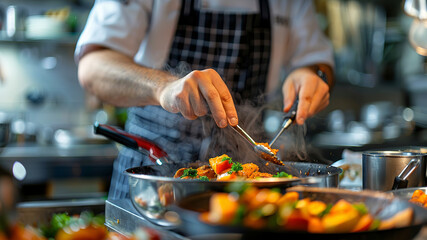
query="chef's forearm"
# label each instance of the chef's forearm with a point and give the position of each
(116, 79)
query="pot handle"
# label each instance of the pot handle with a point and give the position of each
(401, 180)
(155, 153)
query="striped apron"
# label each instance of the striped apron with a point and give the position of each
(237, 46)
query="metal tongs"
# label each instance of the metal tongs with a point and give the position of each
(155, 153)
(401, 181)
(288, 119)
(261, 150)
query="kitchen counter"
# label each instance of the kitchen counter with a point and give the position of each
(44, 163)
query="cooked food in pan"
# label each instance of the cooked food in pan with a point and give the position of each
(222, 168)
(419, 197)
(267, 208)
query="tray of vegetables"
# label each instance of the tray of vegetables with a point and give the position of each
(304, 212)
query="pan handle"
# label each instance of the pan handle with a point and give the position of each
(155, 153)
(401, 181)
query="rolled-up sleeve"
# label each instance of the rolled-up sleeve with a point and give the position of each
(308, 44)
(115, 25)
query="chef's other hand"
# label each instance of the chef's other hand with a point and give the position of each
(193, 94)
(313, 93)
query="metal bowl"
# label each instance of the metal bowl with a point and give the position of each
(153, 189)
(380, 205)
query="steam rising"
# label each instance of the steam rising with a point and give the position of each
(217, 141)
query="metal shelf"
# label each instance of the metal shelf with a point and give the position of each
(68, 39)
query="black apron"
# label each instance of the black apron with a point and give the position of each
(237, 46)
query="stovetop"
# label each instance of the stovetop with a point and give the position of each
(122, 217)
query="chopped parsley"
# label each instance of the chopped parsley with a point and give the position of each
(235, 167)
(204, 178)
(282, 175)
(227, 159)
(189, 172)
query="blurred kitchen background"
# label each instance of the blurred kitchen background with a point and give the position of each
(379, 100)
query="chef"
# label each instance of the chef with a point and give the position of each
(174, 63)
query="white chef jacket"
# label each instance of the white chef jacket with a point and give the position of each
(144, 30)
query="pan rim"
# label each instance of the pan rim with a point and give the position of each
(335, 171)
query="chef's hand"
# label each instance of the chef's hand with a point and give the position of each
(313, 93)
(193, 94)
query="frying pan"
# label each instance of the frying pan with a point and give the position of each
(153, 189)
(380, 204)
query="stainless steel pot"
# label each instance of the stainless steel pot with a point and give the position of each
(153, 190)
(380, 168)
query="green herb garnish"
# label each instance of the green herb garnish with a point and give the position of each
(282, 175)
(227, 159)
(189, 172)
(375, 224)
(203, 178)
(240, 214)
(326, 211)
(361, 208)
(235, 168)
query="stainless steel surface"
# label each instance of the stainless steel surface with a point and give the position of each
(406, 193)
(258, 148)
(288, 118)
(37, 213)
(409, 169)
(47, 163)
(381, 167)
(121, 217)
(152, 189)
(380, 205)
(285, 125)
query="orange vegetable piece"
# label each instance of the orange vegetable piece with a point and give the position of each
(248, 170)
(227, 176)
(259, 199)
(19, 232)
(90, 232)
(223, 207)
(288, 197)
(364, 223)
(316, 207)
(254, 221)
(315, 225)
(422, 199)
(218, 165)
(342, 206)
(340, 221)
(400, 219)
(116, 236)
(417, 193)
(296, 221)
(249, 194)
(268, 146)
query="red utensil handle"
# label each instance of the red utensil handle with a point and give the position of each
(130, 140)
